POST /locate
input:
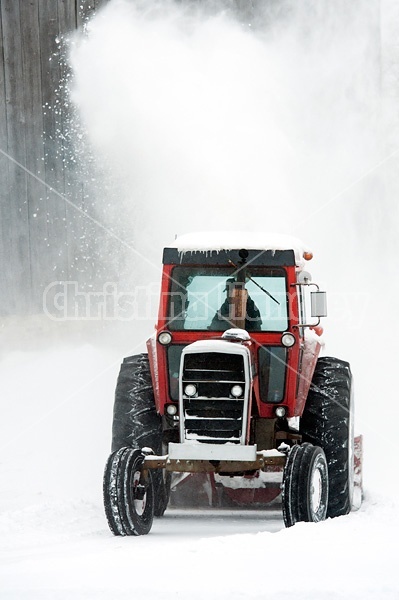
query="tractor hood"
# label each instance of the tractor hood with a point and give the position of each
(219, 345)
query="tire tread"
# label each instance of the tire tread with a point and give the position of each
(326, 423)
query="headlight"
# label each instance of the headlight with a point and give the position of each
(288, 339)
(171, 409)
(281, 411)
(164, 338)
(236, 391)
(190, 390)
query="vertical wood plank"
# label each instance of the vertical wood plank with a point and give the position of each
(15, 214)
(4, 270)
(68, 22)
(67, 16)
(54, 171)
(36, 192)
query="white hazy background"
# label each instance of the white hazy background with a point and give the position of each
(285, 121)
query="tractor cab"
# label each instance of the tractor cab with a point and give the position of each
(214, 285)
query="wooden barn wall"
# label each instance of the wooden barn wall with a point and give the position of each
(40, 234)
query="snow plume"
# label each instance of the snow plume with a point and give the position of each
(217, 119)
(282, 117)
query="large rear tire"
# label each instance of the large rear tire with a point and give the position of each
(305, 485)
(327, 421)
(128, 493)
(136, 422)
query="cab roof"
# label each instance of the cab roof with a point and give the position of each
(220, 247)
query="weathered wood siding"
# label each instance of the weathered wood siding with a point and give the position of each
(39, 236)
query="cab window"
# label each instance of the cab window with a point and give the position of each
(199, 299)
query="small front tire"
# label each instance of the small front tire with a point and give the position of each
(305, 485)
(128, 493)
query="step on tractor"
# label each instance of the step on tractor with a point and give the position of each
(233, 388)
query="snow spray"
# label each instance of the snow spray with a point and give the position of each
(279, 118)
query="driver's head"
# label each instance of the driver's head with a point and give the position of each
(229, 284)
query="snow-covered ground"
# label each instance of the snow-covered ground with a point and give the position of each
(56, 406)
(66, 552)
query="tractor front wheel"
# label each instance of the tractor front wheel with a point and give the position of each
(128, 493)
(305, 485)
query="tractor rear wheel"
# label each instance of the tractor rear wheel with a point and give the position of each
(136, 422)
(327, 421)
(305, 485)
(128, 493)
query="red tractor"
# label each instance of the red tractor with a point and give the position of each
(233, 387)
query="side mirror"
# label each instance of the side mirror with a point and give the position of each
(318, 304)
(304, 278)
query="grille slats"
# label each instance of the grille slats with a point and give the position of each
(211, 365)
(213, 409)
(202, 426)
(213, 416)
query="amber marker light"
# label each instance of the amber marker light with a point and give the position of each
(308, 255)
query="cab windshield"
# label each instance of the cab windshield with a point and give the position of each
(200, 297)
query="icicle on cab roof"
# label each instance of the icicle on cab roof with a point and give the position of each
(234, 240)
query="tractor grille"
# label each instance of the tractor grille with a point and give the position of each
(213, 415)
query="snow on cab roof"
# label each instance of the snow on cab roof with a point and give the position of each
(235, 240)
